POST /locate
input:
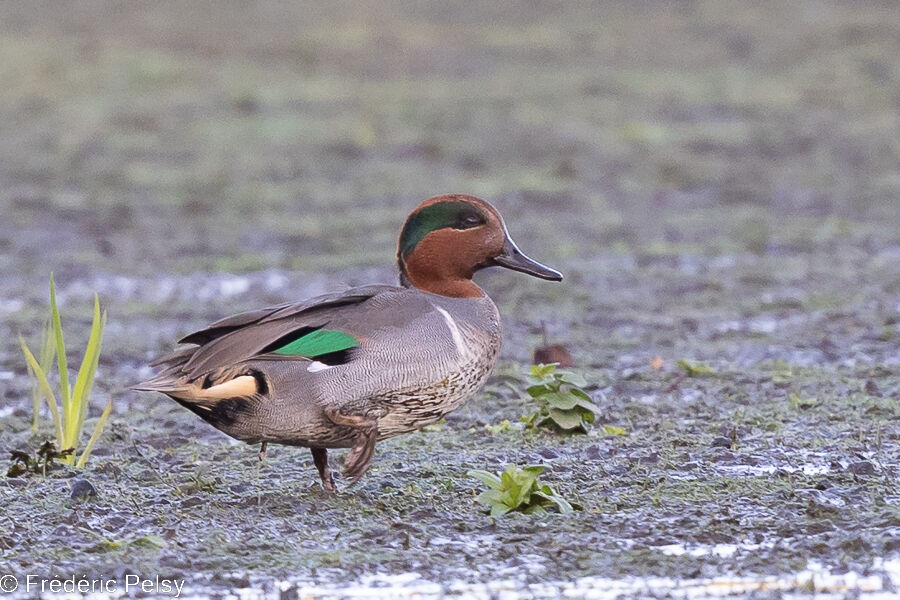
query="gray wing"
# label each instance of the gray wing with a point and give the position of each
(244, 336)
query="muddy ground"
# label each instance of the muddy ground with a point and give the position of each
(718, 182)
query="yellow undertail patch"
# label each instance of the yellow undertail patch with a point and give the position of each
(242, 386)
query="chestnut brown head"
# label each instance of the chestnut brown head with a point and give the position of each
(448, 238)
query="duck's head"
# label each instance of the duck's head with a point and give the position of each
(447, 238)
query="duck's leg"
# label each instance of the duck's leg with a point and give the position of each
(360, 456)
(320, 457)
(262, 451)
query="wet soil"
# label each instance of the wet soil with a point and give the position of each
(718, 183)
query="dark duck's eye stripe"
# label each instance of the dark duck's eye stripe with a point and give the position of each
(442, 215)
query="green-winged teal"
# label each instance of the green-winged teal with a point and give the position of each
(344, 370)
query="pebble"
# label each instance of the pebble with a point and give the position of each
(548, 453)
(82, 489)
(721, 442)
(862, 467)
(595, 452)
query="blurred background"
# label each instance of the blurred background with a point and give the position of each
(241, 136)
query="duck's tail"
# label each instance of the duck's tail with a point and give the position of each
(171, 379)
(223, 384)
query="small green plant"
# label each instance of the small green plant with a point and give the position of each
(695, 369)
(800, 403)
(614, 430)
(561, 401)
(519, 490)
(503, 426)
(45, 358)
(107, 544)
(69, 415)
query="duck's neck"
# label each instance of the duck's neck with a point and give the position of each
(457, 287)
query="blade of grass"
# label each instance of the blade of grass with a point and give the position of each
(95, 435)
(94, 349)
(35, 398)
(44, 385)
(47, 354)
(85, 380)
(64, 391)
(48, 349)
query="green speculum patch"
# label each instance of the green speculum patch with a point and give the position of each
(318, 343)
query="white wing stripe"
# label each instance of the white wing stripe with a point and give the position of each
(316, 366)
(454, 332)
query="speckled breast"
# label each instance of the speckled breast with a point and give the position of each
(460, 344)
(412, 408)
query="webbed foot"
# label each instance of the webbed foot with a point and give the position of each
(359, 458)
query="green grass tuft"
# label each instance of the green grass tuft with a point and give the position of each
(69, 415)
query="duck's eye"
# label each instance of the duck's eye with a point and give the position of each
(472, 220)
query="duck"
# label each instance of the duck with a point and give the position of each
(351, 368)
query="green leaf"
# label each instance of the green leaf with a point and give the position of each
(695, 369)
(561, 400)
(541, 371)
(571, 378)
(533, 419)
(65, 392)
(85, 380)
(502, 426)
(613, 430)
(48, 347)
(534, 509)
(150, 542)
(98, 428)
(581, 394)
(566, 419)
(535, 469)
(45, 388)
(550, 496)
(538, 390)
(589, 407)
(487, 478)
(491, 498)
(47, 353)
(520, 490)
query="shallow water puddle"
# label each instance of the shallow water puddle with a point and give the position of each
(720, 550)
(759, 470)
(815, 578)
